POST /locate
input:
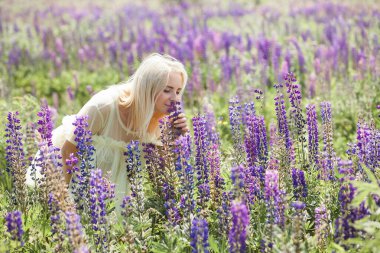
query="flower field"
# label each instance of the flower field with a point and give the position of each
(283, 103)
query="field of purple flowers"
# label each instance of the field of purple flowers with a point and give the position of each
(284, 106)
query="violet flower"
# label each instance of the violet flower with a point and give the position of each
(216, 180)
(74, 231)
(312, 125)
(224, 214)
(201, 165)
(45, 124)
(134, 174)
(199, 236)
(98, 197)
(239, 228)
(328, 149)
(274, 199)
(299, 184)
(295, 98)
(282, 122)
(235, 124)
(15, 161)
(186, 174)
(13, 222)
(322, 230)
(85, 154)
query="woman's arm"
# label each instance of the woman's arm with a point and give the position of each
(67, 149)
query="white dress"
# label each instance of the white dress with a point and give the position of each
(110, 137)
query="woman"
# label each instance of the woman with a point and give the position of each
(125, 112)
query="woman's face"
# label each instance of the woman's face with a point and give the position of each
(170, 94)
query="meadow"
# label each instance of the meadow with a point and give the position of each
(283, 102)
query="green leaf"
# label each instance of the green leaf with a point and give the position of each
(213, 244)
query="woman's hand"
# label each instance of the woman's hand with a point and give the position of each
(180, 123)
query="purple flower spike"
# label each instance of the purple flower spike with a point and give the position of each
(199, 236)
(45, 124)
(238, 232)
(13, 222)
(312, 127)
(15, 162)
(328, 149)
(274, 199)
(322, 230)
(299, 184)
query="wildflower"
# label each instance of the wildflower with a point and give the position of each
(186, 174)
(282, 123)
(15, 162)
(313, 134)
(299, 184)
(85, 154)
(238, 232)
(199, 236)
(273, 199)
(322, 230)
(201, 165)
(45, 124)
(235, 123)
(328, 149)
(98, 196)
(224, 213)
(13, 222)
(74, 231)
(216, 180)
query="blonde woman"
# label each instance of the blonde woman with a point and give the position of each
(125, 112)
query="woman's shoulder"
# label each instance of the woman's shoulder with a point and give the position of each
(107, 96)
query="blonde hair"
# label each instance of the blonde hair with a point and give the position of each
(143, 86)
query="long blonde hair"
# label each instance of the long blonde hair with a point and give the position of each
(143, 86)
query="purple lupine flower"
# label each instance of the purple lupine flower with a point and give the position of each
(368, 145)
(45, 124)
(322, 230)
(255, 141)
(15, 161)
(98, 196)
(85, 152)
(127, 207)
(134, 174)
(212, 133)
(273, 199)
(199, 236)
(224, 214)
(154, 163)
(235, 124)
(216, 180)
(295, 98)
(239, 228)
(328, 149)
(30, 142)
(312, 127)
(72, 161)
(74, 230)
(55, 219)
(70, 93)
(301, 58)
(249, 111)
(299, 184)
(201, 165)
(175, 110)
(13, 222)
(238, 179)
(282, 122)
(348, 214)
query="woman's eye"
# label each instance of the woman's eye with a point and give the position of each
(166, 91)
